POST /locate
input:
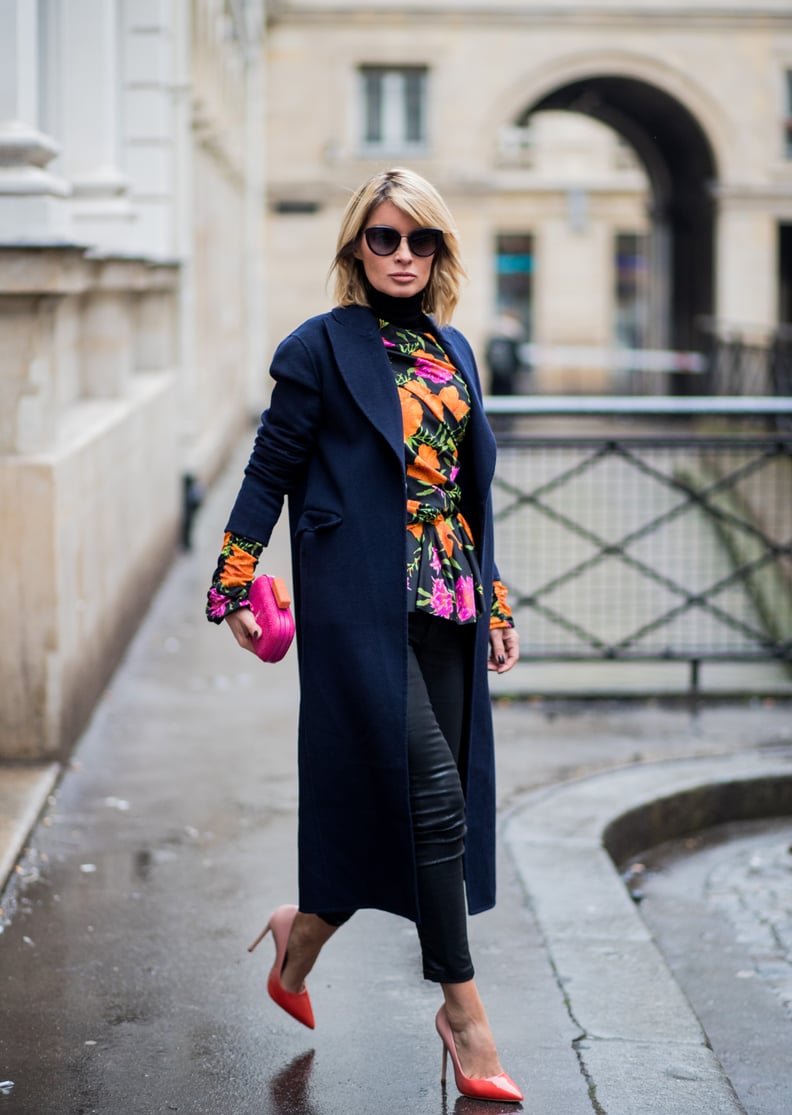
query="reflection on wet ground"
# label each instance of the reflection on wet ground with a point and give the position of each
(290, 1089)
(719, 904)
(291, 1094)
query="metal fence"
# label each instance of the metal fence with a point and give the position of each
(662, 531)
(737, 365)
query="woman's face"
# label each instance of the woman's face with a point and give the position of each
(403, 273)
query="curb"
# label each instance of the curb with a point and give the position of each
(641, 1046)
(23, 794)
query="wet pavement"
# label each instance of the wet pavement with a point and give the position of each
(720, 908)
(125, 981)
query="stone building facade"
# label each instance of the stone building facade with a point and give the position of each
(131, 201)
(675, 213)
(619, 171)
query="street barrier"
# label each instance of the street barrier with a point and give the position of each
(646, 528)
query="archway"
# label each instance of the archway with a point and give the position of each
(681, 167)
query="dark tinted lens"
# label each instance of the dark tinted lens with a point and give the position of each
(425, 241)
(382, 240)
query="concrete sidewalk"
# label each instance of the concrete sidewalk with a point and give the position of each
(163, 847)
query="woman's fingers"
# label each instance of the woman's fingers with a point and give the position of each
(511, 646)
(244, 628)
(504, 649)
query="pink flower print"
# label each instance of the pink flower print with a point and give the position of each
(441, 602)
(427, 369)
(435, 560)
(454, 473)
(388, 344)
(217, 603)
(465, 598)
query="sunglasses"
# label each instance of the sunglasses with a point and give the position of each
(384, 240)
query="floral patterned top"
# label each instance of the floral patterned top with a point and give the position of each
(443, 576)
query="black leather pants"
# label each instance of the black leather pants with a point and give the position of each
(438, 653)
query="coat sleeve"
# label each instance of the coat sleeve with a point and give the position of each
(284, 441)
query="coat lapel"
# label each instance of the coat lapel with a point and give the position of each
(366, 370)
(364, 366)
(479, 433)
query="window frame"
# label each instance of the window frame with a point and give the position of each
(515, 301)
(632, 314)
(393, 110)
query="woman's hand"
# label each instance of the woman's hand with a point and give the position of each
(244, 628)
(504, 649)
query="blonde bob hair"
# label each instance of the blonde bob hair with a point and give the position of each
(420, 200)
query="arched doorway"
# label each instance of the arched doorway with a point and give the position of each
(681, 167)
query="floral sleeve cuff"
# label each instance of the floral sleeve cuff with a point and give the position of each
(501, 613)
(236, 568)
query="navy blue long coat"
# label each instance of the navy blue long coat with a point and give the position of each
(332, 441)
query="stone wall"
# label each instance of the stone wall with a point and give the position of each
(130, 225)
(89, 478)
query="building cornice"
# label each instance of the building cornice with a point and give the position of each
(600, 16)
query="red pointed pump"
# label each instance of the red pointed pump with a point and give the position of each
(297, 1004)
(500, 1087)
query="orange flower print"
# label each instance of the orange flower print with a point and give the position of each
(445, 532)
(238, 566)
(501, 602)
(412, 413)
(426, 466)
(450, 399)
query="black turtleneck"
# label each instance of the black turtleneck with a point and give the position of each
(406, 312)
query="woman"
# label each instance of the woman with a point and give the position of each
(375, 425)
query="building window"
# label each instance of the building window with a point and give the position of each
(514, 264)
(631, 272)
(394, 107)
(788, 115)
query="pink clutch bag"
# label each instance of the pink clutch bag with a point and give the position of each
(270, 604)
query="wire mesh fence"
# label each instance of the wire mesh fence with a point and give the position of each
(642, 545)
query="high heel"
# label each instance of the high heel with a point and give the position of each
(500, 1087)
(297, 1004)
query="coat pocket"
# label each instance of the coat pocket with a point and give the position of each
(326, 572)
(315, 519)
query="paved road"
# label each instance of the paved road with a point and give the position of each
(731, 891)
(125, 982)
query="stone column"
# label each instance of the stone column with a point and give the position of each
(31, 208)
(150, 38)
(89, 108)
(747, 263)
(573, 313)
